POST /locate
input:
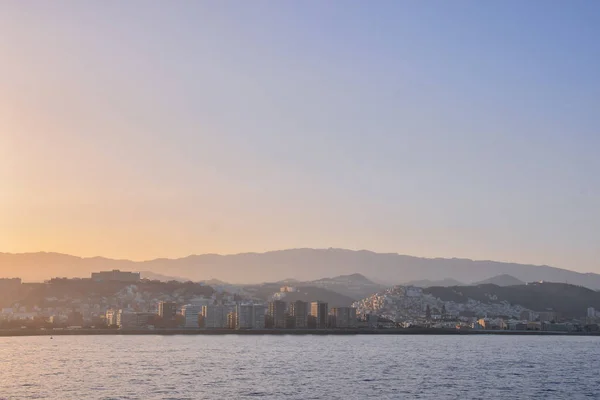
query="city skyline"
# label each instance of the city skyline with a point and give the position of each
(143, 131)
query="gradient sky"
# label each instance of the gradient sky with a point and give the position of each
(148, 129)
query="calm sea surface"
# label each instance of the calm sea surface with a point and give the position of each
(299, 367)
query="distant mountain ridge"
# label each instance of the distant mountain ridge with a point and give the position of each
(301, 264)
(501, 280)
(425, 283)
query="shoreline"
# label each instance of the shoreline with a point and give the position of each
(281, 332)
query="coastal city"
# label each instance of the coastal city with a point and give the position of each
(123, 301)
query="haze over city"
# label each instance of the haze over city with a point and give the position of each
(134, 130)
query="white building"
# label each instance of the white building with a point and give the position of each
(591, 312)
(191, 312)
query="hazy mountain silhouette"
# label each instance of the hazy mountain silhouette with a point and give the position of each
(356, 286)
(302, 264)
(153, 276)
(501, 280)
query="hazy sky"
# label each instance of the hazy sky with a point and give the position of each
(147, 129)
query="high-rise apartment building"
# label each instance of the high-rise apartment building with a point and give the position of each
(167, 310)
(191, 314)
(319, 311)
(250, 316)
(259, 316)
(214, 317)
(277, 313)
(299, 310)
(344, 317)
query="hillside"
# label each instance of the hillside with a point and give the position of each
(355, 286)
(569, 300)
(302, 264)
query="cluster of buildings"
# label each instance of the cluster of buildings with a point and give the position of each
(83, 302)
(204, 313)
(409, 306)
(412, 306)
(120, 299)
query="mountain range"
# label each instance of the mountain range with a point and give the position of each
(302, 264)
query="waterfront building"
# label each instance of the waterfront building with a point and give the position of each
(133, 320)
(191, 314)
(244, 316)
(319, 311)
(167, 310)
(299, 311)
(215, 317)
(344, 317)
(277, 313)
(259, 316)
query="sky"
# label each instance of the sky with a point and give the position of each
(147, 129)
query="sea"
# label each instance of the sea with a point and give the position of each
(299, 367)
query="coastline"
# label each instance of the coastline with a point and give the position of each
(280, 332)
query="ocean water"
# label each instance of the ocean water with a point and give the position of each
(300, 367)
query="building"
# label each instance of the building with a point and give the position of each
(276, 313)
(259, 316)
(167, 310)
(372, 321)
(214, 317)
(250, 316)
(319, 311)
(344, 317)
(517, 325)
(231, 319)
(244, 316)
(299, 310)
(75, 318)
(115, 276)
(591, 312)
(133, 320)
(8, 283)
(111, 317)
(191, 315)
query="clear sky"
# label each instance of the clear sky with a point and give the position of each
(146, 129)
